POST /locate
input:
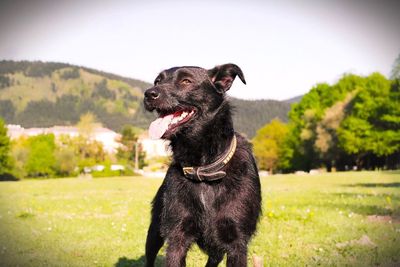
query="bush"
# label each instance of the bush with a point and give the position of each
(107, 172)
(5, 160)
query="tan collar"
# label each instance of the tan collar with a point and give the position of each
(213, 171)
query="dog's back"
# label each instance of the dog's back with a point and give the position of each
(211, 193)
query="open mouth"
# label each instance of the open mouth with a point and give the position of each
(167, 123)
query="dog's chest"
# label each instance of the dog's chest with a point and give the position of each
(206, 195)
(204, 200)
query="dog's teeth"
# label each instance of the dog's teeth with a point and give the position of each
(183, 115)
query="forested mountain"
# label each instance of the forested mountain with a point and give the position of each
(292, 100)
(41, 94)
(251, 115)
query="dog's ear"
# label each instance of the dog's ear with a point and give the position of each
(223, 76)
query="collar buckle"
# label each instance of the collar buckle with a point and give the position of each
(188, 170)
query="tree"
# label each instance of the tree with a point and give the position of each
(130, 146)
(87, 125)
(298, 147)
(355, 121)
(326, 142)
(71, 73)
(66, 161)
(4, 82)
(101, 90)
(20, 153)
(5, 160)
(354, 135)
(395, 73)
(7, 110)
(38, 113)
(267, 143)
(88, 150)
(371, 131)
(41, 158)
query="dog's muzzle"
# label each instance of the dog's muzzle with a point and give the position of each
(150, 98)
(152, 94)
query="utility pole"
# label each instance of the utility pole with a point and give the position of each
(136, 156)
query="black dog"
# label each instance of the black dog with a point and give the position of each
(211, 193)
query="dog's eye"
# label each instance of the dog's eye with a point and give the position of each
(186, 81)
(156, 82)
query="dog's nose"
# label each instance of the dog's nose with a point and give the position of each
(152, 93)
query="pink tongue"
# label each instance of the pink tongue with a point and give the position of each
(160, 126)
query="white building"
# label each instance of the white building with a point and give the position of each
(154, 148)
(107, 137)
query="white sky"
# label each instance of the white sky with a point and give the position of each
(283, 48)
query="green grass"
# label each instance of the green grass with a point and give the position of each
(307, 220)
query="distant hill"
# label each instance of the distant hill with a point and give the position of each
(292, 100)
(251, 115)
(43, 94)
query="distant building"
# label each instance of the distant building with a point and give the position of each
(154, 148)
(107, 137)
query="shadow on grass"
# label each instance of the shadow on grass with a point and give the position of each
(392, 172)
(367, 210)
(374, 185)
(139, 262)
(360, 195)
(350, 202)
(6, 177)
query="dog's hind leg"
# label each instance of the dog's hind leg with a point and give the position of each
(153, 243)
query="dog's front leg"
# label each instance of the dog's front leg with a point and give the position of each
(179, 242)
(177, 250)
(237, 256)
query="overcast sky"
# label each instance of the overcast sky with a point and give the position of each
(283, 47)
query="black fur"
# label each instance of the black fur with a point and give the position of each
(219, 216)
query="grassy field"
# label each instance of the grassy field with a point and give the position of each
(339, 219)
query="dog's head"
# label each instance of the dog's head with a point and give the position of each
(186, 96)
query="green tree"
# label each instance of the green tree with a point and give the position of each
(86, 152)
(312, 139)
(5, 160)
(20, 153)
(267, 143)
(371, 132)
(41, 159)
(130, 146)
